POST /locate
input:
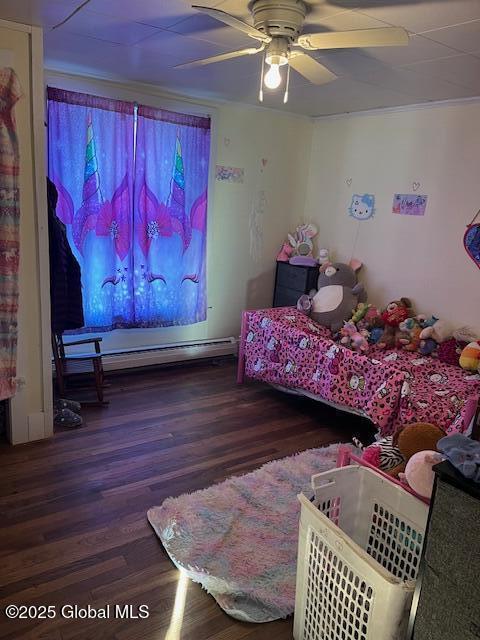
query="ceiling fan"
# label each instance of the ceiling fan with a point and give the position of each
(277, 25)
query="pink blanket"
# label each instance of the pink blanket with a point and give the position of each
(283, 346)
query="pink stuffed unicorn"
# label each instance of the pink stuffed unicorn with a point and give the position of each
(354, 339)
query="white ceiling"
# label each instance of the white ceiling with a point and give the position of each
(141, 40)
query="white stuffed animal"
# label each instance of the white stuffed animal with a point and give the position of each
(439, 332)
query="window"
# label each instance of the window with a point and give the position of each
(132, 184)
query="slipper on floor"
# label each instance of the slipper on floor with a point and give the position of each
(67, 418)
(63, 403)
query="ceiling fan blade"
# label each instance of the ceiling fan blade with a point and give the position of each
(382, 37)
(222, 56)
(234, 22)
(310, 68)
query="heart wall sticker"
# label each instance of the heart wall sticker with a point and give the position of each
(471, 240)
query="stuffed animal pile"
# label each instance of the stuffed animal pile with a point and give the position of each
(340, 303)
(408, 455)
(396, 326)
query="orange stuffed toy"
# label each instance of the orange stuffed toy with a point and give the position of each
(413, 438)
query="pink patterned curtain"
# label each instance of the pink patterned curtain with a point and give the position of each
(10, 92)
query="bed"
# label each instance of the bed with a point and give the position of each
(285, 348)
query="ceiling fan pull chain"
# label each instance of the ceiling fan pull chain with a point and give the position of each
(260, 93)
(287, 84)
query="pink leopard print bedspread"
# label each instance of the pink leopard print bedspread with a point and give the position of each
(283, 346)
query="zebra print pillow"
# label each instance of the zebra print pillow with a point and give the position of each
(390, 455)
(383, 454)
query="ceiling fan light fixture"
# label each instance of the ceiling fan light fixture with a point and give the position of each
(276, 57)
(277, 52)
(273, 77)
(278, 26)
(279, 60)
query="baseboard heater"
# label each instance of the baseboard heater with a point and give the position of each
(167, 353)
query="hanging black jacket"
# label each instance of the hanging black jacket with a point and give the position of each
(65, 276)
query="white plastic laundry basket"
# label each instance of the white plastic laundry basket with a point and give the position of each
(358, 554)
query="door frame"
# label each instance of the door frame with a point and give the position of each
(34, 423)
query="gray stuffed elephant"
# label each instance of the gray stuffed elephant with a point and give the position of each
(337, 295)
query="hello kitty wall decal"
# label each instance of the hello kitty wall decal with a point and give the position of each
(362, 207)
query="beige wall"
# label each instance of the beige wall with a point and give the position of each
(384, 153)
(306, 172)
(241, 137)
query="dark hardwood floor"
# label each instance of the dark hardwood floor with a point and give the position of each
(73, 524)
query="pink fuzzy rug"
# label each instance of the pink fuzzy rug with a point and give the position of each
(238, 539)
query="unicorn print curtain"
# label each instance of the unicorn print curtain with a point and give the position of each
(90, 158)
(170, 217)
(134, 200)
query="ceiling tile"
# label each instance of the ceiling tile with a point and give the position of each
(348, 62)
(343, 95)
(318, 12)
(179, 47)
(462, 69)
(416, 83)
(158, 13)
(463, 37)
(212, 81)
(418, 49)
(419, 15)
(204, 27)
(117, 29)
(37, 12)
(238, 8)
(348, 20)
(70, 52)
